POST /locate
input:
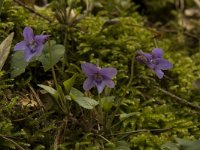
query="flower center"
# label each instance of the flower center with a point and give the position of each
(152, 61)
(155, 62)
(32, 45)
(98, 78)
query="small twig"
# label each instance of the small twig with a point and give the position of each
(17, 120)
(181, 100)
(105, 139)
(141, 130)
(32, 10)
(36, 96)
(56, 141)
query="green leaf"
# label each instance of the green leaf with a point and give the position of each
(109, 23)
(5, 49)
(188, 145)
(74, 93)
(169, 146)
(57, 51)
(196, 83)
(86, 102)
(122, 145)
(183, 142)
(195, 146)
(107, 102)
(18, 64)
(69, 83)
(50, 90)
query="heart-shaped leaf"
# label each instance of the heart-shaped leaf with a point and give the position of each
(57, 51)
(18, 64)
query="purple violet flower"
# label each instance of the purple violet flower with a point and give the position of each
(32, 44)
(155, 61)
(99, 77)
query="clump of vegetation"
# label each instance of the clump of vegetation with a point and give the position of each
(87, 74)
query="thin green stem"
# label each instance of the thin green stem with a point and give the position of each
(155, 42)
(66, 45)
(141, 130)
(115, 112)
(61, 104)
(132, 71)
(102, 137)
(100, 112)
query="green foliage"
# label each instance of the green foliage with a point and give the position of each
(5, 49)
(181, 144)
(1, 5)
(8, 134)
(15, 18)
(4, 82)
(18, 64)
(142, 107)
(69, 83)
(50, 90)
(134, 111)
(122, 145)
(107, 102)
(22, 128)
(121, 8)
(83, 101)
(57, 51)
(86, 102)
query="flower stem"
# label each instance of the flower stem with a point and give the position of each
(66, 44)
(102, 115)
(132, 71)
(61, 103)
(155, 42)
(102, 137)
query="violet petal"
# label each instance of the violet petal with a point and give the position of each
(157, 53)
(100, 86)
(41, 38)
(88, 84)
(109, 83)
(20, 46)
(89, 69)
(38, 49)
(163, 64)
(28, 34)
(28, 54)
(108, 72)
(159, 73)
